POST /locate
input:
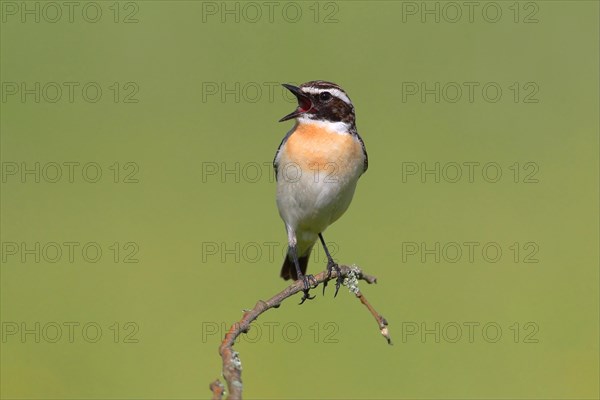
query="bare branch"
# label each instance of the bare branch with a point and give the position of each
(217, 388)
(232, 366)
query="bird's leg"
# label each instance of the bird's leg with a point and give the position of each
(306, 279)
(331, 265)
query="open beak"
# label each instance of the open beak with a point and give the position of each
(304, 103)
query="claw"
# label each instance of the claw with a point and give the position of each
(305, 296)
(330, 267)
(326, 281)
(339, 279)
(307, 280)
(338, 283)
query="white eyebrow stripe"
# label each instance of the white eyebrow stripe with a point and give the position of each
(334, 92)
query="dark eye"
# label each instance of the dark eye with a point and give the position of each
(325, 96)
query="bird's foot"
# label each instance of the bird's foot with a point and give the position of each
(331, 266)
(308, 280)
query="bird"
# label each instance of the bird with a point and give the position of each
(317, 167)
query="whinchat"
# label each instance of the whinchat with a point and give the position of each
(317, 167)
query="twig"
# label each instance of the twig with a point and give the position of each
(217, 388)
(232, 366)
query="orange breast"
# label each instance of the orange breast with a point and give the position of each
(313, 146)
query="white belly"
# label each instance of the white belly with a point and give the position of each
(313, 200)
(317, 172)
(310, 200)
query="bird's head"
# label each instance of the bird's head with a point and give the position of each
(321, 101)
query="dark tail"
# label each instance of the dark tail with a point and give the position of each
(288, 270)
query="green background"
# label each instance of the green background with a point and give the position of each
(179, 292)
